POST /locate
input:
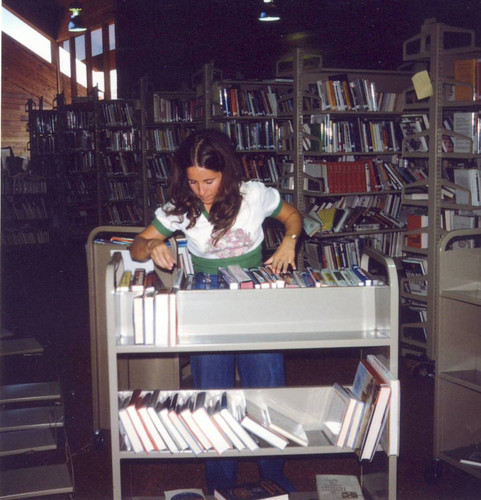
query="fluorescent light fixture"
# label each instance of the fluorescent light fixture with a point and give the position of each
(269, 12)
(76, 24)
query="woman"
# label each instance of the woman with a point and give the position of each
(221, 218)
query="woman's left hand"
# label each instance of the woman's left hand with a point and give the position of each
(283, 257)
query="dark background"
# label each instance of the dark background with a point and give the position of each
(169, 40)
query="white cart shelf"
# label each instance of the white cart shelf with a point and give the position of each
(285, 319)
(457, 403)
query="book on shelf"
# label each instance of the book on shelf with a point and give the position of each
(338, 487)
(311, 225)
(466, 124)
(207, 424)
(184, 494)
(470, 179)
(339, 414)
(174, 411)
(127, 423)
(414, 269)
(161, 428)
(376, 393)
(280, 422)
(232, 411)
(132, 411)
(417, 236)
(466, 71)
(162, 408)
(152, 431)
(215, 406)
(264, 489)
(254, 421)
(390, 436)
(236, 271)
(185, 410)
(138, 279)
(412, 126)
(139, 322)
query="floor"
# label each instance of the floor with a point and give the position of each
(45, 295)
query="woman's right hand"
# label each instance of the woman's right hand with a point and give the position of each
(160, 253)
(150, 244)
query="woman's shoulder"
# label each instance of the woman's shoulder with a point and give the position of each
(252, 186)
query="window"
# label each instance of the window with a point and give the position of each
(26, 35)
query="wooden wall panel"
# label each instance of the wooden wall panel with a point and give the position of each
(26, 76)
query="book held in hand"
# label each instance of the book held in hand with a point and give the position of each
(260, 490)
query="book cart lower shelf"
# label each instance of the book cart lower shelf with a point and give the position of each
(278, 319)
(457, 399)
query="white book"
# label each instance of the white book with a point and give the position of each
(260, 430)
(335, 421)
(236, 426)
(355, 425)
(162, 322)
(170, 443)
(205, 422)
(152, 431)
(469, 178)
(390, 438)
(172, 319)
(139, 426)
(138, 312)
(183, 430)
(187, 415)
(129, 427)
(162, 409)
(215, 406)
(149, 317)
(286, 426)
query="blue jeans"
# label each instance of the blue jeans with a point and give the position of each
(217, 371)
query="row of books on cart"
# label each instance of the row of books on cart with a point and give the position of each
(234, 277)
(252, 420)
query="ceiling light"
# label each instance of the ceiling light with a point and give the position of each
(269, 12)
(76, 24)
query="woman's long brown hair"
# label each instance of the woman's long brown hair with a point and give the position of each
(213, 150)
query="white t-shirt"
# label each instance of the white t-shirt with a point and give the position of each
(246, 234)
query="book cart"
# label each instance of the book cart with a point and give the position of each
(457, 399)
(319, 322)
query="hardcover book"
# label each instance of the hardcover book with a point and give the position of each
(261, 490)
(376, 393)
(255, 422)
(390, 437)
(338, 487)
(185, 494)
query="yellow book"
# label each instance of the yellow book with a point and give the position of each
(327, 216)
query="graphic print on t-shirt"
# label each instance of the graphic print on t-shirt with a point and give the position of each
(234, 243)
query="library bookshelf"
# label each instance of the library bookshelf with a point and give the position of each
(320, 322)
(439, 49)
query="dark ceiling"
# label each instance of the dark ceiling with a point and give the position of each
(170, 39)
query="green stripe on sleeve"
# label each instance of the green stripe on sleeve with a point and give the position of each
(162, 229)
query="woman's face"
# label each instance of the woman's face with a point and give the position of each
(205, 184)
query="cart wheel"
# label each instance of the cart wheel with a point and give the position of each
(434, 472)
(425, 369)
(99, 439)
